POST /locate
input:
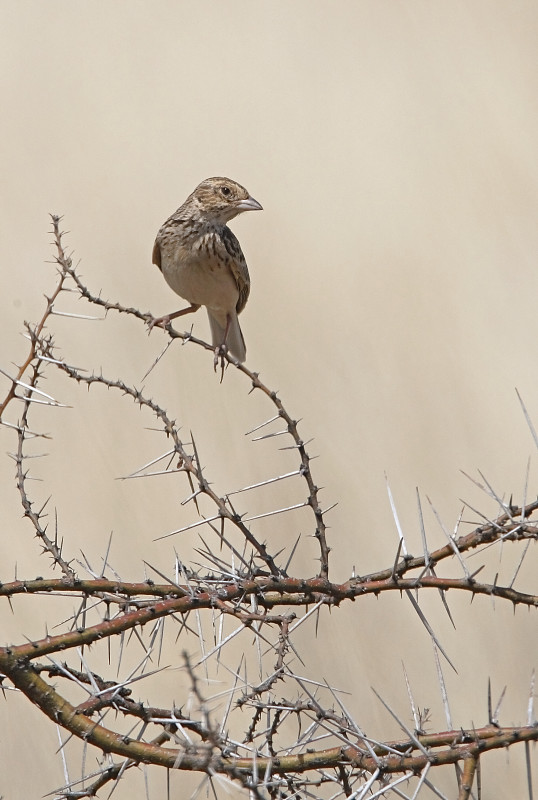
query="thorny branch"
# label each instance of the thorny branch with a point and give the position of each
(248, 588)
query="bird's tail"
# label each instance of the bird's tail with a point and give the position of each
(234, 339)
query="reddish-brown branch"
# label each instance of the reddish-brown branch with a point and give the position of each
(458, 745)
(466, 783)
(270, 593)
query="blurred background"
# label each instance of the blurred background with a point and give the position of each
(393, 148)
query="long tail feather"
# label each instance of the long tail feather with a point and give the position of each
(234, 340)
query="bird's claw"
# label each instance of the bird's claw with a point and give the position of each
(157, 322)
(220, 352)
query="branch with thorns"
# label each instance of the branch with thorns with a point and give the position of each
(248, 586)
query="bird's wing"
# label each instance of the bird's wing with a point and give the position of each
(238, 267)
(156, 256)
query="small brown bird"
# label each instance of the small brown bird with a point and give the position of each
(202, 260)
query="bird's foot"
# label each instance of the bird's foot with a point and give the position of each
(219, 353)
(157, 322)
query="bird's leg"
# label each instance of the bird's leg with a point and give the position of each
(222, 348)
(162, 322)
(227, 330)
(219, 353)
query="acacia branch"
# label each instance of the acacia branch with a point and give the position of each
(458, 745)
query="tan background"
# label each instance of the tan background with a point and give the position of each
(393, 147)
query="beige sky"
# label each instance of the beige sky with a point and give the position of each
(393, 147)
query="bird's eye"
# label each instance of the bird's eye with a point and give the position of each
(225, 190)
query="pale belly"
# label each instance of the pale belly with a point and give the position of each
(202, 282)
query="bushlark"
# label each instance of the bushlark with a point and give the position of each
(202, 260)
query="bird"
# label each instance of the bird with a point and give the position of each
(202, 261)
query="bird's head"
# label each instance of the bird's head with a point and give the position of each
(221, 199)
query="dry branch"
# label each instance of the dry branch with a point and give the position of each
(247, 586)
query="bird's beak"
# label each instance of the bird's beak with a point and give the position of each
(249, 205)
